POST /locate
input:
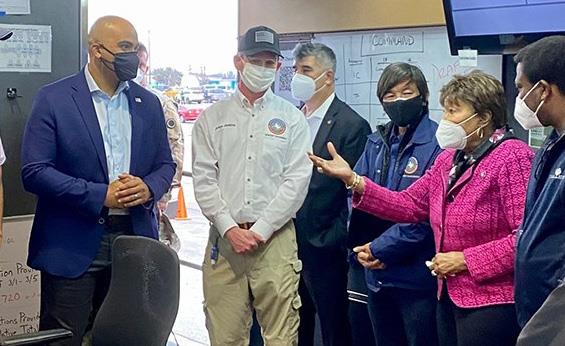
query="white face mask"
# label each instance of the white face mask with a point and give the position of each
(450, 135)
(140, 78)
(257, 78)
(524, 115)
(303, 87)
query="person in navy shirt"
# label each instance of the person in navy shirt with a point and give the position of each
(540, 254)
(401, 292)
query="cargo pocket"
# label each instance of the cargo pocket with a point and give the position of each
(297, 267)
(296, 302)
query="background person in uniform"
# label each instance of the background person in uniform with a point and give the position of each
(95, 153)
(401, 292)
(176, 142)
(174, 128)
(540, 259)
(473, 197)
(251, 175)
(4, 35)
(321, 222)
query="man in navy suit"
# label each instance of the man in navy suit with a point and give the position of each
(95, 153)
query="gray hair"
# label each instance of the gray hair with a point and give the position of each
(324, 55)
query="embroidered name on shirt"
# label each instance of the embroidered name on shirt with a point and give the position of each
(223, 126)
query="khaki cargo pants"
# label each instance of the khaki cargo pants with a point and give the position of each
(266, 280)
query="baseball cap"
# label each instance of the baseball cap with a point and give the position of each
(259, 39)
(5, 34)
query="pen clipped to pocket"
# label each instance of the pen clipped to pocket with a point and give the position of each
(214, 252)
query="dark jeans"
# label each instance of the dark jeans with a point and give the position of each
(324, 293)
(361, 328)
(72, 304)
(485, 326)
(403, 317)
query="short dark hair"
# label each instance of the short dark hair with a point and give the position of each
(544, 59)
(481, 91)
(400, 72)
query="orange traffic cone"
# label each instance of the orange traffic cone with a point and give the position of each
(181, 207)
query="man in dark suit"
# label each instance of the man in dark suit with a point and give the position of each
(321, 223)
(95, 152)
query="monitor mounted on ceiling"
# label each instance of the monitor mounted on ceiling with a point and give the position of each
(501, 26)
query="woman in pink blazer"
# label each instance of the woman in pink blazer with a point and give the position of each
(473, 197)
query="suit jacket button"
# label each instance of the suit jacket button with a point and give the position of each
(101, 221)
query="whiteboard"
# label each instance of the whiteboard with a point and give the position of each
(19, 284)
(362, 56)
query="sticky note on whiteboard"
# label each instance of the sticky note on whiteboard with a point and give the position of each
(467, 57)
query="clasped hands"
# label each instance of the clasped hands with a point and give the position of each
(445, 264)
(243, 241)
(127, 191)
(366, 259)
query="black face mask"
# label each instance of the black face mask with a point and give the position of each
(125, 64)
(405, 112)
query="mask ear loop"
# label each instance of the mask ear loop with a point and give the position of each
(469, 118)
(530, 91)
(539, 106)
(477, 130)
(317, 79)
(108, 64)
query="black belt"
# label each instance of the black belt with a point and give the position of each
(114, 221)
(246, 225)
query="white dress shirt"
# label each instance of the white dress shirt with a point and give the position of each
(249, 162)
(315, 119)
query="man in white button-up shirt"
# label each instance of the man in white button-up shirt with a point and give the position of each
(251, 175)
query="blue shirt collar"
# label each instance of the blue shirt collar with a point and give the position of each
(94, 88)
(424, 133)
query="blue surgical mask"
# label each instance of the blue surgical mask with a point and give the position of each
(125, 64)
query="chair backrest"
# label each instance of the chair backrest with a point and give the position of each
(143, 299)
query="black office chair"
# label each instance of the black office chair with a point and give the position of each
(142, 302)
(38, 338)
(143, 299)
